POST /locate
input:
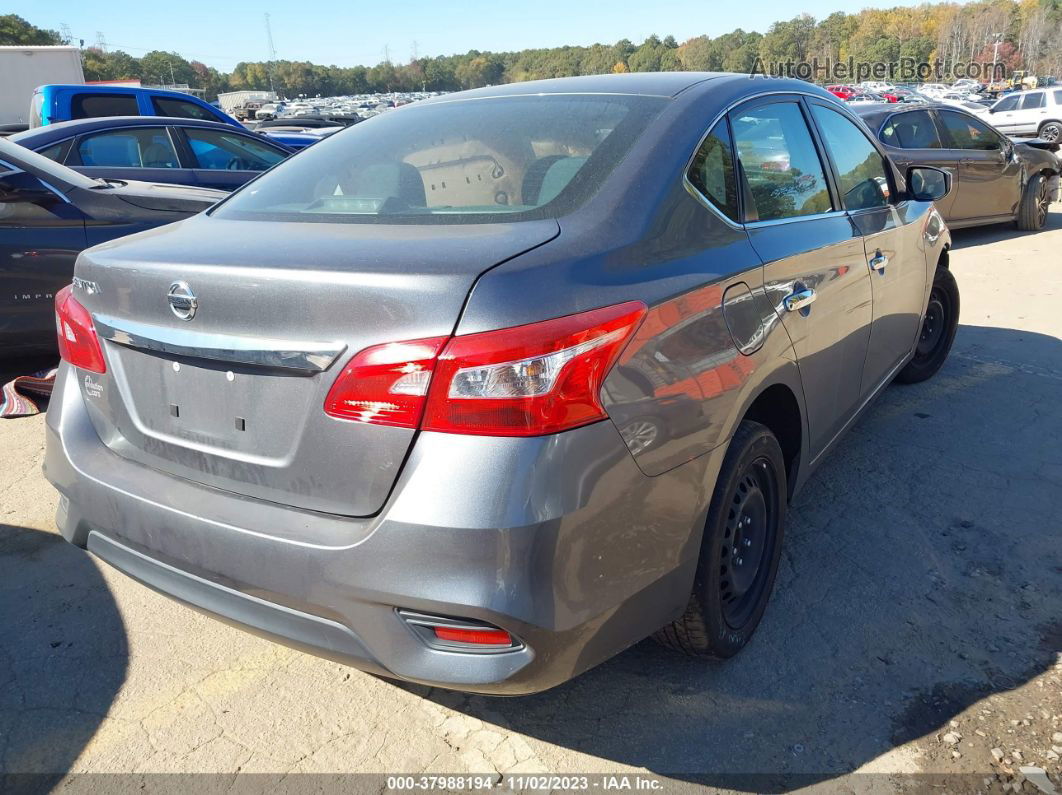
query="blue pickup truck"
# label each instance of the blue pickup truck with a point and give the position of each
(55, 103)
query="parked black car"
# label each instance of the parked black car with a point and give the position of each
(48, 214)
(994, 179)
(181, 151)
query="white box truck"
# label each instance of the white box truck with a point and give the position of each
(23, 68)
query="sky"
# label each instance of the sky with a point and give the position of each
(222, 33)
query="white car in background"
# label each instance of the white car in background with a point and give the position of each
(1037, 112)
(876, 86)
(934, 90)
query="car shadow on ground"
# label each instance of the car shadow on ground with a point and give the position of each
(63, 655)
(921, 573)
(995, 233)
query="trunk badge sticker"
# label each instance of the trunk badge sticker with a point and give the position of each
(183, 302)
(89, 286)
(93, 388)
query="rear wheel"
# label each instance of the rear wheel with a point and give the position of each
(739, 552)
(1032, 213)
(1052, 131)
(938, 330)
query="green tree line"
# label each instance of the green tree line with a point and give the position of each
(1029, 35)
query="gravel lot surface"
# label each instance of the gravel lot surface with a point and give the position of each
(915, 627)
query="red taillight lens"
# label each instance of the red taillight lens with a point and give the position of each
(78, 344)
(523, 381)
(476, 637)
(529, 380)
(385, 384)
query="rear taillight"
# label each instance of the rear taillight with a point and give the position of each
(523, 381)
(78, 344)
(385, 384)
(529, 380)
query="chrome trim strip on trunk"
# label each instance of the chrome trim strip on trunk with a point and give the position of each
(308, 357)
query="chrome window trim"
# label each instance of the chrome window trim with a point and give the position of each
(307, 357)
(795, 219)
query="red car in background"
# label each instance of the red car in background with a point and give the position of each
(844, 92)
(847, 92)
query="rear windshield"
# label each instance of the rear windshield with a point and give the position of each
(463, 161)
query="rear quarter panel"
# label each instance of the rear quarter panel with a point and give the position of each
(646, 237)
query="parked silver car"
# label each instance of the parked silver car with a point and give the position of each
(486, 389)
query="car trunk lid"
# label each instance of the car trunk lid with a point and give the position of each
(233, 396)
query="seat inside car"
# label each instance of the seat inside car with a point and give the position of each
(158, 156)
(397, 180)
(915, 135)
(547, 177)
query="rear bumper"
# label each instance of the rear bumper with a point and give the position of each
(561, 540)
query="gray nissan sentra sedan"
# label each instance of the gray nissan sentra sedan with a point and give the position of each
(485, 390)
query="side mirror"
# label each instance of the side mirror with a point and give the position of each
(928, 184)
(19, 186)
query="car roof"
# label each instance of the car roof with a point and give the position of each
(104, 88)
(659, 84)
(903, 107)
(66, 129)
(726, 87)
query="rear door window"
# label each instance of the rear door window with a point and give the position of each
(1033, 100)
(967, 132)
(143, 147)
(181, 109)
(712, 171)
(911, 130)
(91, 106)
(861, 177)
(214, 149)
(780, 163)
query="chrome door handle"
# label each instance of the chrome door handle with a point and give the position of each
(878, 262)
(799, 300)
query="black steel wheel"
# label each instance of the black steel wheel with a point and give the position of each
(745, 548)
(937, 334)
(739, 550)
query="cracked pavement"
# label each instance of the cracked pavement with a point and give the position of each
(918, 595)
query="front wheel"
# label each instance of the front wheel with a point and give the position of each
(739, 551)
(938, 330)
(1032, 212)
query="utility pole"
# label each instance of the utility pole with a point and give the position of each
(995, 57)
(65, 34)
(272, 53)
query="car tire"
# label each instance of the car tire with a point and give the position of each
(1032, 212)
(739, 550)
(937, 334)
(1050, 131)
